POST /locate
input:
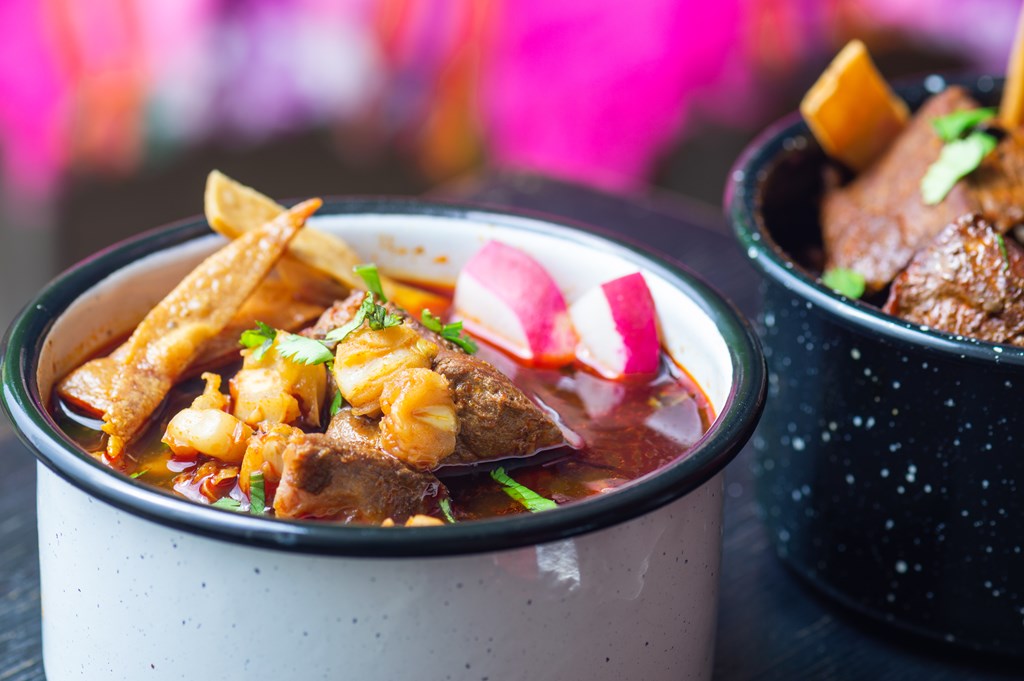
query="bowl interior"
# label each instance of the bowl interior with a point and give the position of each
(418, 247)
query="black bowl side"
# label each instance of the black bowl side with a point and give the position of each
(25, 406)
(888, 461)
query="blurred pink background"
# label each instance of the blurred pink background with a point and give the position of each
(593, 90)
(111, 111)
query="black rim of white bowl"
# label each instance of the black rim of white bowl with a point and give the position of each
(37, 429)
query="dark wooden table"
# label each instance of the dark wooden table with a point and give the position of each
(770, 627)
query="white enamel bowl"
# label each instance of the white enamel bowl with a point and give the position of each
(137, 583)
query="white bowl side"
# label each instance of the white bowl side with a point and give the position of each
(125, 599)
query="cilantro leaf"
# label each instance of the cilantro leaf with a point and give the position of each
(844, 281)
(450, 332)
(341, 333)
(431, 321)
(1002, 249)
(953, 126)
(462, 340)
(368, 272)
(261, 338)
(376, 317)
(228, 503)
(257, 494)
(302, 350)
(446, 508)
(956, 160)
(379, 318)
(524, 495)
(336, 403)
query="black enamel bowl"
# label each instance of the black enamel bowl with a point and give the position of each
(889, 466)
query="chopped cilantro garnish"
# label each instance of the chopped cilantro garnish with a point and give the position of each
(369, 274)
(963, 152)
(1002, 249)
(336, 403)
(379, 318)
(376, 317)
(139, 474)
(446, 508)
(302, 350)
(953, 126)
(261, 338)
(524, 495)
(257, 495)
(450, 332)
(341, 333)
(844, 281)
(957, 159)
(228, 503)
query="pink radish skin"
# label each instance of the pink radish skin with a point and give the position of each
(507, 298)
(618, 328)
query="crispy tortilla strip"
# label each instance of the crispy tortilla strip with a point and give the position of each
(88, 387)
(1011, 107)
(851, 110)
(276, 303)
(232, 209)
(174, 332)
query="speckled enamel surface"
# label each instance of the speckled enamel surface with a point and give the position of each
(125, 598)
(889, 468)
(894, 478)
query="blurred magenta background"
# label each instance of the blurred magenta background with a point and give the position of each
(112, 111)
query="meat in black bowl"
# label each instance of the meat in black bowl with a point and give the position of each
(888, 463)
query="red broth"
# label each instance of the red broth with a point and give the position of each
(624, 430)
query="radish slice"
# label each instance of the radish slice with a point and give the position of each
(505, 297)
(618, 329)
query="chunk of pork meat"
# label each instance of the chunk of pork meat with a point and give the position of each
(965, 283)
(496, 419)
(350, 482)
(876, 223)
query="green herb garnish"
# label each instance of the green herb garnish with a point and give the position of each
(379, 318)
(302, 350)
(953, 126)
(957, 159)
(341, 333)
(446, 508)
(450, 332)
(257, 494)
(139, 474)
(1002, 249)
(368, 272)
(261, 338)
(376, 317)
(336, 403)
(961, 155)
(843, 281)
(228, 503)
(524, 495)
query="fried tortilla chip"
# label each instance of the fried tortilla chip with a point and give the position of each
(276, 302)
(232, 209)
(175, 332)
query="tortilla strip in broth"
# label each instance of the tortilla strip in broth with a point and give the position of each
(279, 304)
(170, 337)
